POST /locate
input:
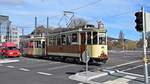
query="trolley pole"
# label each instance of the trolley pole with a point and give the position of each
(145, 60)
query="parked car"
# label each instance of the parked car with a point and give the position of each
(11, 52)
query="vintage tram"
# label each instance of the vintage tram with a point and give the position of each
(73, 43)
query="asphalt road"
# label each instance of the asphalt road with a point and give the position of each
(41, 71)
(134, 65)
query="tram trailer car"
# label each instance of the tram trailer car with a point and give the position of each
(33, 47)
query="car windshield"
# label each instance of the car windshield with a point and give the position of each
(12, 48)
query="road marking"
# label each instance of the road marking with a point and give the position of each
(43, 73)
(133, 67)
(23, 69)
(60, 67)
(122, 80)
(54, 62)
(137, 75)
(123, 64)
(10, 66)
(80, 83)
(1, 65)
(8, 61)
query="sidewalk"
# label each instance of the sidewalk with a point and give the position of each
(8, 61)
(107, 77)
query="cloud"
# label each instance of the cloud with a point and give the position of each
(11, 2)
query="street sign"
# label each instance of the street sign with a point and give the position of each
(86, 58)
(147, 21)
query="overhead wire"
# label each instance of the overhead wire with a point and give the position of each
(85, 6)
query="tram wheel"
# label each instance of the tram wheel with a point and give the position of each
(104, 61)
(77, 60)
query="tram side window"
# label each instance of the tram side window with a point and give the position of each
(43, 44)
(38, 44)
(63, 39)
(29, 45)
(58, 40)
(102, 40)
(74, 37)
(54, 41)
(89, 38)
(94, 37)
(25, 45)
(50, 41)
(68, 40)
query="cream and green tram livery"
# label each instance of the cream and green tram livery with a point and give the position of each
(78, 42)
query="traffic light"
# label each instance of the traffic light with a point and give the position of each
(139, 21)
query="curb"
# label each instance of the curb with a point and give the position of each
(86, 79)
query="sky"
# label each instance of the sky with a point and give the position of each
(117, 15)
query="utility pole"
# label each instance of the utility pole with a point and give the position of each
(144, 49)
(35, 26)
(46, 36)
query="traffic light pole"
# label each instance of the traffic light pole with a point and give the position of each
(145, 60)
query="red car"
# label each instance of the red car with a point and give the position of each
(11, 52)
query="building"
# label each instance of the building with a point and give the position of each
(14, 34)
(4, 26)
(8, 32)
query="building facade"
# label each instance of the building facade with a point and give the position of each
(4, 26)
(8, 32)
(14, 34)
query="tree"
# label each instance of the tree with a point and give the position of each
(121, 43)
(77, 22)
(140, 43)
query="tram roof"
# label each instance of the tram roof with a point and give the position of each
(34, 39)
(73, 30)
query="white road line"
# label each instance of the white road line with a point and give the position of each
(80, 83)
(132, 74)
(121, 80)
(23, 69)
(54, 62)
(43, 73)
(1, 65)
(133, 67)
(60, 67)
(10, 66)
(123, 64)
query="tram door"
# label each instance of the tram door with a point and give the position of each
(83, 40)
(43, 48)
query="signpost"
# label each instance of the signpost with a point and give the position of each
(145, 29)
(86, 59)
(143, 25)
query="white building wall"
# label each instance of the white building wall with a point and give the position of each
(4, 23)
(14, 34)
